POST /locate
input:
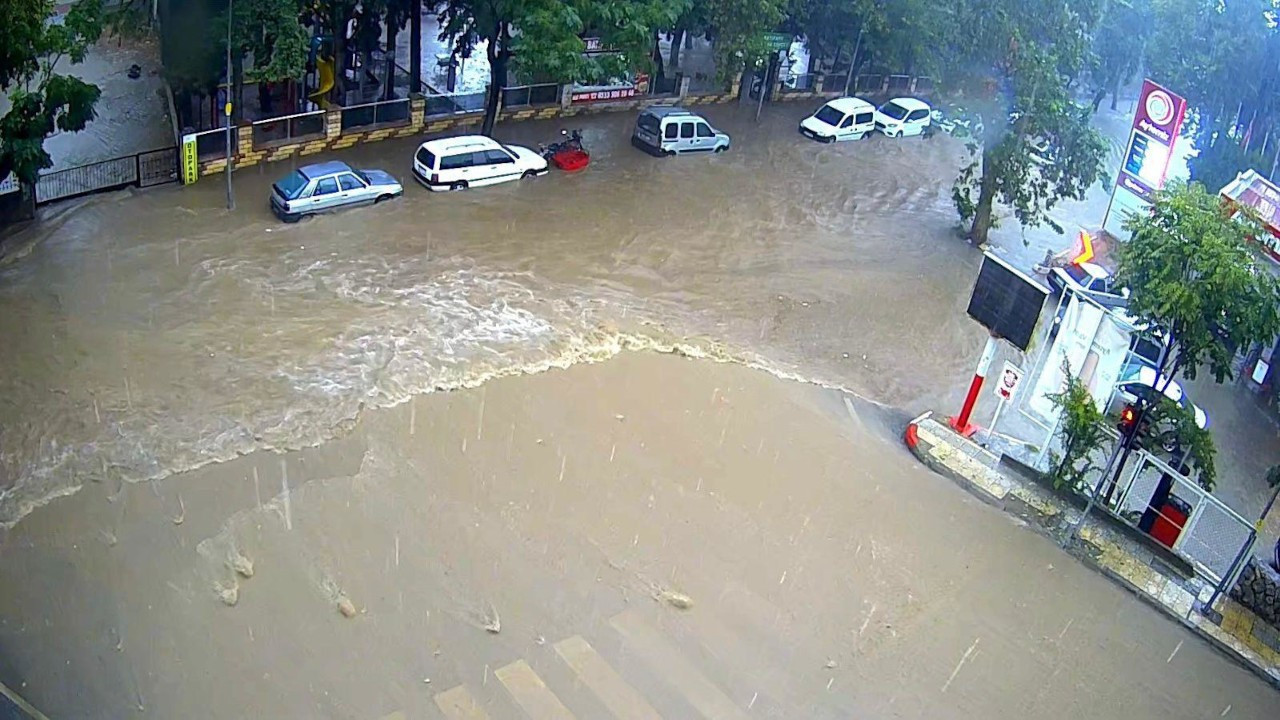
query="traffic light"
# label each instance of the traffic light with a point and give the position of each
(1128, 417)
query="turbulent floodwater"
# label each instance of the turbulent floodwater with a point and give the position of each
(149, 333)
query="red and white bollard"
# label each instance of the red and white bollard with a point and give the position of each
(960, 423)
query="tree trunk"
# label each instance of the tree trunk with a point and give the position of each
(341, 14)
(1270, 502)
(497, 52)
(986, 200)
(236, 91)
(415, 46)
(1115, 91)
(1098, 97)
(674, 59)
(390, 80)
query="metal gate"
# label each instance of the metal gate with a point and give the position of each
(145, 169)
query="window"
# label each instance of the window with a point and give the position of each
(458, 161)
(917, 115)
(291, 186)
(686, 130)
(1077, 273)
(828, 115)
(350, 182)
(672, 131)
(327, 186)
(863, 118)
(847, 122)
(648, 123)
(498, 157)
(893, 110)
(427, 159)
(704, 131)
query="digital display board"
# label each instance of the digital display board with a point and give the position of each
(1006, 302)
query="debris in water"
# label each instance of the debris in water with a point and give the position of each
(831, 664)
(242, 565)
(228, 594)
(676, 599)
(182, 512)
(494, 624)
(426, 681)
(619, 417)
(346, 607)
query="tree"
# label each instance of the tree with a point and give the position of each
(739, 32)
(544, 37)
(1119, 41)
(1081, 432)
(1013, 63)
(42, 100)
(269, 32)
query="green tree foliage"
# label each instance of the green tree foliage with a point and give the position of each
(1193, 272)
(1013, 63)
(544, 37)
(1167, 427)
(739, 31)
(42, 99)
(269, 32)
(1119, 40)
(1081, 432)
(1224, 57)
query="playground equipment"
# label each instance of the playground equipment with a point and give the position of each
(324, 83)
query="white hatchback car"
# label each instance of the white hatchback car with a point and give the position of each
(903, 117)
(846, 118)
(457, 163)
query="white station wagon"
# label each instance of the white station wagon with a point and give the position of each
(457, 163)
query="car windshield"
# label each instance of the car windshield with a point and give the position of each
(292, 185)
(893, 110)
(363, 176)
(829, 115)
(1078, 274)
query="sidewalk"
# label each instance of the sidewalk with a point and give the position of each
(1155, 576)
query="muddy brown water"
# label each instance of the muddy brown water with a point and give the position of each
(150, 332)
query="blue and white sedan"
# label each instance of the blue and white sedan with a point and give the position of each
(322, 187)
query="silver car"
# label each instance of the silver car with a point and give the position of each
(328, 186)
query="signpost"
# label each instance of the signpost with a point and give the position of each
(1156, 125)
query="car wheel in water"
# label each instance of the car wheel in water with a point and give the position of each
(828, 140)
(721, 149)
(380, 198)
(460, 185)
(528, 174)
(290, 218)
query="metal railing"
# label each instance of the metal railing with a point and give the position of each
(1194, 523)
(871, 84)
(9, 184)
(527, 95)
(665, 85)
(454, 103)
(899, 84)
(144, 169)
(274, 131)
(383, 112)
(212, 143)
(834, 81)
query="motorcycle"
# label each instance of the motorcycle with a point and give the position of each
(568, 154)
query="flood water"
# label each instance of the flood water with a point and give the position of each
(149, 332)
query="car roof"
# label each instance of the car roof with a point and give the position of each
(847, 105)
(325, 168)
(911, 103)
(661, 111)
(1145, 375)
(1094, 269)
(458, 142)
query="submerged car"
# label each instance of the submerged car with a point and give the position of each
(1139, 381)
(903, 117)
(664, 131)
(327, 186)
(846, 118)
(467, 161)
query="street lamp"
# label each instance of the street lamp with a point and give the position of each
(231, 200)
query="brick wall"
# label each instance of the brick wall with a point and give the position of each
(1259, 590)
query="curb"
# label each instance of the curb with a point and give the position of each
(921, 446)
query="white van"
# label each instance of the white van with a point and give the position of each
(846, 118)
(457, 163)
(903, 117)
(665, 130)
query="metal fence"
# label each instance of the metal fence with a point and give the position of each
(834, 81)
(384, 112)
(454, 103)
(212, 143)
(871, 84)
(288, 128)
(664, 85)
(526, 95)
(144, 169)
(899, 84)
(797, 83)
(1194, 523)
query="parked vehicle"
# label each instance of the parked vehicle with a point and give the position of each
(1139, 381)
(902, 117)
(327, 186)
(1085, 277)
(568, 154)
(465, 161)
(666, 130)
(846, 118)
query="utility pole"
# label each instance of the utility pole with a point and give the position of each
(853, 61)
(231, 199)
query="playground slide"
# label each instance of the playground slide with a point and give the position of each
(324, 71)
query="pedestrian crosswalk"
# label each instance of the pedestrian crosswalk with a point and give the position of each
(646, 663)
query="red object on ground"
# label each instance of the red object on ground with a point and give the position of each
(571, 160)
(911, 436)
(1168, 525)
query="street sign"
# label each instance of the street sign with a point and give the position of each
(1008, 382)
(190, 164)
(778, 41)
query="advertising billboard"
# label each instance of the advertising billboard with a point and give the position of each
(1157, 121)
